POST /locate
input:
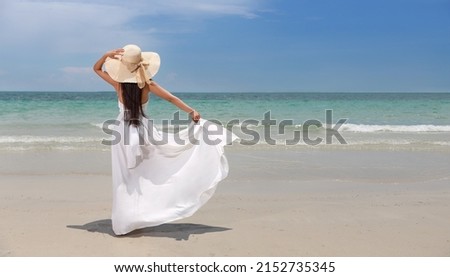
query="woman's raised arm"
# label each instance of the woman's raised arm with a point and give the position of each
(99, 64)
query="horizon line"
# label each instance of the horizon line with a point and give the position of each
(304, 91)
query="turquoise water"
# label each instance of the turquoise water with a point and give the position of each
(73, 120)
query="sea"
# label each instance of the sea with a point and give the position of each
(77, 121)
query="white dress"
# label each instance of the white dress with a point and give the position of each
(156, 182)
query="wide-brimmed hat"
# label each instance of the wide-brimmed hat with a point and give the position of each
(133, 66)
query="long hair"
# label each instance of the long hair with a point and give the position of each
(131, 95)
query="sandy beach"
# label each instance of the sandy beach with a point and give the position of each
(276, 201)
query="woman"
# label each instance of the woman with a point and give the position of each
(157, 179)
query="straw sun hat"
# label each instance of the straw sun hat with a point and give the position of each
(133, 66)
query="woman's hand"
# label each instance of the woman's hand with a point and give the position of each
(195, 116)
(113, 54)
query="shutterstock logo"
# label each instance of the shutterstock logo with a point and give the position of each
(251, 131)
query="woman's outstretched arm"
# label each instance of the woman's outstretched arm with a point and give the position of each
(163, 93)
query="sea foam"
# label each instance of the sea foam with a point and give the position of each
(362, 128)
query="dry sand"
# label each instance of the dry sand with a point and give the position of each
(275, 202)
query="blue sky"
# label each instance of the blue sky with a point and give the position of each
(232, 45)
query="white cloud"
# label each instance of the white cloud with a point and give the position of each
(246, 8)
(77, 70)
(206, 8)
(51, 35)
(64, 26)
(92, 26)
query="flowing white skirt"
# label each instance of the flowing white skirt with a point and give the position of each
(158, 179)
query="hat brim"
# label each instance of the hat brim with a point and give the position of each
(120, 73)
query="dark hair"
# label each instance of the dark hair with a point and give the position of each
(131, 95)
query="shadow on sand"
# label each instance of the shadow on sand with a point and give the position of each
(178, 231)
